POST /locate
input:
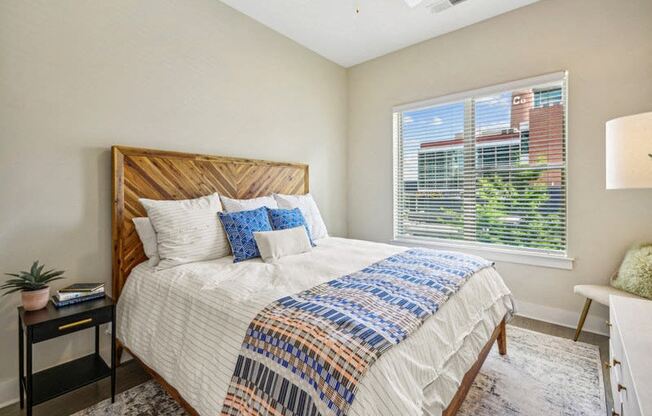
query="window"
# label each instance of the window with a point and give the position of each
(485, 168)
(440, 169)
(547, 97)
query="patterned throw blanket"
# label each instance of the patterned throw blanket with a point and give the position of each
(306, 354)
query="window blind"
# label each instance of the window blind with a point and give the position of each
(487, 167)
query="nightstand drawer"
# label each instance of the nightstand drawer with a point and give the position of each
(69, 324)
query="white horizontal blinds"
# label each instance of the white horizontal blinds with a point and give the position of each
(487, 167)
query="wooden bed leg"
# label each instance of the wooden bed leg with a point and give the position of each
(498, 335)
(118, 354)
(502, 338)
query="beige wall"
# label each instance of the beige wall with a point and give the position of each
(607, 48)
(193, 75)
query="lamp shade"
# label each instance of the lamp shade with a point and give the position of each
(629, 152)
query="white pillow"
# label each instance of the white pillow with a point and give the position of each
(234, 205)
(187, 230)
(308, 208)
(280, 243)
(147, 236)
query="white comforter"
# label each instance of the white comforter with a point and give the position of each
(187, 323)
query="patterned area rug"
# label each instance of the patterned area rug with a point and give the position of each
(540, 375)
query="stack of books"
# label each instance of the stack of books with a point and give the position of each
(77, 293)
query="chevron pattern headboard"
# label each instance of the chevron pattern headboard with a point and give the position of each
(158, 174)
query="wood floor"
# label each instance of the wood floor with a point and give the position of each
(131, 374)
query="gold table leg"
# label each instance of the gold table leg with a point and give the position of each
(580, 324)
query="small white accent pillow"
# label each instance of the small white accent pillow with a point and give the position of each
(280, 243)
(308, 208)
(235, 205)
(147, 236)
(187, 230)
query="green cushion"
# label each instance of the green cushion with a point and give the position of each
(635, 274)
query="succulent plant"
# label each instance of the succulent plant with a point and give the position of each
(34, 279)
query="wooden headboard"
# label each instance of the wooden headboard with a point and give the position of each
(158, 174)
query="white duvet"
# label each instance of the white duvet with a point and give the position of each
(187, 323)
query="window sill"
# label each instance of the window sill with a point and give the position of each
(494, 253)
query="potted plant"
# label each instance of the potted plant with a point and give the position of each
(33, 285)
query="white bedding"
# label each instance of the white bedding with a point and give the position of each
(187, 323)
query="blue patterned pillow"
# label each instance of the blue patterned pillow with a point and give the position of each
(240, 227)
(282, 219)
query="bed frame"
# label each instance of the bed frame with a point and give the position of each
(159, 174)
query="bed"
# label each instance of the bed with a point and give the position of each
(185, 324)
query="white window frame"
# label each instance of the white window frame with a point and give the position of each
(519, 255)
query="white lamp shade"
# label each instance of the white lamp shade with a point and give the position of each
(629, 146)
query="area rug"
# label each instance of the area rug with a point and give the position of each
(540, 375)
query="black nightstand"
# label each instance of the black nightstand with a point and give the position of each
(49, 323)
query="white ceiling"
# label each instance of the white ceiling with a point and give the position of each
(333, 29)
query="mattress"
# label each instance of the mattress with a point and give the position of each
(187, 324)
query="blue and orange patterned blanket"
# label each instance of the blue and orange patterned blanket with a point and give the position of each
(306, 354)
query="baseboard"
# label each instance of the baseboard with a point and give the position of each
(563, 317)
(8, 392)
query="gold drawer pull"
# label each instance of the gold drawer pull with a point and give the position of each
(607, 365)
(621, 387)
(74, 324)
(616, 362)
(614, 413)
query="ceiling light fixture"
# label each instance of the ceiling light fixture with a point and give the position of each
(356, 6)
(435, 6)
